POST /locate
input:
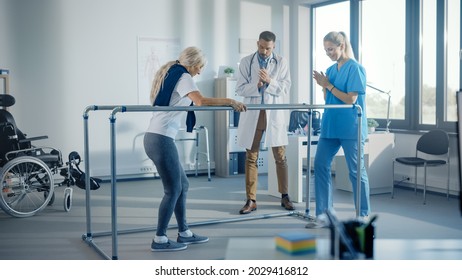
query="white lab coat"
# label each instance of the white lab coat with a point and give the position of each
(247, 80)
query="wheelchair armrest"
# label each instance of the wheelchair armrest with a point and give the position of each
(33, 139)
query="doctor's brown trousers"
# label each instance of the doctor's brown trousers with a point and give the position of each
(251, 165)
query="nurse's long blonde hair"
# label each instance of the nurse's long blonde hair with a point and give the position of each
(189, 57)
(339, 38)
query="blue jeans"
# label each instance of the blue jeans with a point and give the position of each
(163, 152)
(326, 150)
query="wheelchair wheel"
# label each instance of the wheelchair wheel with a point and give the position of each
(27, 185)
(67, 199)
(52, 199)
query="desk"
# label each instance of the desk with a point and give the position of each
(378, 157)
(378, 153)
(264, 248)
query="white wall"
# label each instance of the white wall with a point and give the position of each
(66, 55)
(5, 31)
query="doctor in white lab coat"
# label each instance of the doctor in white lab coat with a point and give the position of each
(263, 78)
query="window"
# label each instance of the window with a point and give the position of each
(428, 61)
(440, 63)
(383, 51)
(453, 58)
(411, 50)
(323, 24)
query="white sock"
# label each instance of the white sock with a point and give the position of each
(186, 233)
(161, 239)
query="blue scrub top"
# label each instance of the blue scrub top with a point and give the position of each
(343, 123)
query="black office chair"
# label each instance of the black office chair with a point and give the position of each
(299, 119)
(431, 144)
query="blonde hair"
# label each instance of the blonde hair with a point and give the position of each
(189, 57)
(339, 38)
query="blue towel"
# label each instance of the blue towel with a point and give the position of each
(165, 93)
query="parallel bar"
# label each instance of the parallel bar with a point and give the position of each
(206, 223)
(100, 251)
(308, 167)
(93, 245)
(87, 178)
(113, 192)
(147, 108)
(358, 164)
(88, 236)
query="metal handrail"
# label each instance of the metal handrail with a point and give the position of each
(115, 109)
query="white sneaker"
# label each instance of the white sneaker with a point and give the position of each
(322, 221)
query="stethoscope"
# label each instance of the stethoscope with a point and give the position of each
(272, 60)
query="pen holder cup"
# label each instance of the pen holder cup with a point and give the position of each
(362, 238)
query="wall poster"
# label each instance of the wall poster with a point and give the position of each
(152, 54)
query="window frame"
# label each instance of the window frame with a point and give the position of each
(413, 62)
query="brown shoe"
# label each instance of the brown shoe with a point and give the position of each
(249, 206)
(287, 204)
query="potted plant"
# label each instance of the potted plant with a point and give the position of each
(229, 71)
(371, 125)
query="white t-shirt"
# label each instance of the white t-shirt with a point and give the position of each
(168, 123)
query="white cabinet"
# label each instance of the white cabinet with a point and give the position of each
(378, 157)
(230, 157)
(378, 153)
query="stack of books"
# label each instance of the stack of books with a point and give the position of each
(296, 243)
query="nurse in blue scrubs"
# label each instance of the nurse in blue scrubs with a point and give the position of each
(343, 83)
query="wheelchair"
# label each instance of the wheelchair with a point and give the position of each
(29, 174)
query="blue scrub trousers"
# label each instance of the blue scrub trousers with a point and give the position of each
(326, 150)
